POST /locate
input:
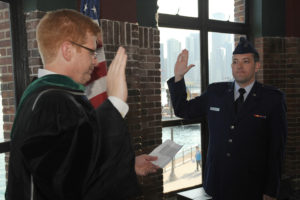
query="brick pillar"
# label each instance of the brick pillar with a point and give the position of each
(280, 60)
(143, 79)
(6, 76)
(239, 10)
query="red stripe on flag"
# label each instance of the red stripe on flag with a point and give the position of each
(91, 9)
(98, 100)
(98, 72)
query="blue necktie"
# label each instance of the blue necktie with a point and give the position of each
(239, 102)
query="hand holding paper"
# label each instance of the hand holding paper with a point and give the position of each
(143, 165)
(165, 152)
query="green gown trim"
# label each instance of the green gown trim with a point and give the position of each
(55, 80)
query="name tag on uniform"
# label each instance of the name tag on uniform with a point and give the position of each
(214, 109)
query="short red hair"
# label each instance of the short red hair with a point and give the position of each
(62, 25)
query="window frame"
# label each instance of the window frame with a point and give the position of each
(205, 25)
(19, 47)
(19, 54)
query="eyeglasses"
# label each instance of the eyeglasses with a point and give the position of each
(92, 51)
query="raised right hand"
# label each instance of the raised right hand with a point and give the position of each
(116, 80)
(181, 67)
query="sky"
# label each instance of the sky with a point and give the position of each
(190, 8)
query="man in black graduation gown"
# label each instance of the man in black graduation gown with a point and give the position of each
(61, 147)
(247, 128)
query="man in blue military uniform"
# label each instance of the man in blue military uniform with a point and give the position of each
(247, 128)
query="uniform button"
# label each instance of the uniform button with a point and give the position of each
(228, 154)
(232, 127)
(230, 140)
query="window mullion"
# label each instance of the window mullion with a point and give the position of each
(176, 21)
(180, 122)
(203, 16)
(227, 27)
(19, 49)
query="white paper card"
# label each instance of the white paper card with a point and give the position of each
(165, 152)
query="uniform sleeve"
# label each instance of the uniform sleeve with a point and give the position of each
(59, 148)
(277, 126)
(195, 108)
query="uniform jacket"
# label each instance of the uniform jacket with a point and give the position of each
(245, 150)
(62, 148)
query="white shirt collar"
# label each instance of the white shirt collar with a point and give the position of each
(44, 72)
(237, 87)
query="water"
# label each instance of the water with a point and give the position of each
(189, 136)
(2, 176)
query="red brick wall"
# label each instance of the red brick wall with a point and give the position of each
(280, 59)
(143, 79)
(6, 74)
(239, 10)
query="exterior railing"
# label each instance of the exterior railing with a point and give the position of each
(182, 157)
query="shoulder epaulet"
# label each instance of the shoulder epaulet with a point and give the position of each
(272, 89)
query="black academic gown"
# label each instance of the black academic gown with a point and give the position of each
(62, 148)
(245, 150)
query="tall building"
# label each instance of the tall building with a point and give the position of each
(163, 66)
(173, 49)
(192, 43)
(221, 55)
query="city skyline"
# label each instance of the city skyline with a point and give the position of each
(220, 57)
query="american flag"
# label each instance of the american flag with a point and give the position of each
(96, 87)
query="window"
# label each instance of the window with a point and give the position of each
(182, 170)
(172, 41)
(227, 10)
(220, 48)
(179, 7)
(209, 29)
